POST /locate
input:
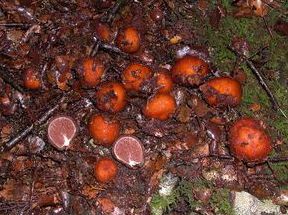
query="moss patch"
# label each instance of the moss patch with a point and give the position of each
(275, 71)
(220, 199)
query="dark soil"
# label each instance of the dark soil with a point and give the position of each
(53, 37)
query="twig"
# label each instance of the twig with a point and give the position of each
(277, 159)
(258, 52)
(101, 45)
(13, 142)
(262, 81)
(267, 27)
(114, 10)
(4, 74)
(273, 99)
(15, 25)
(95, 48)
(112, 49)
(111, 14)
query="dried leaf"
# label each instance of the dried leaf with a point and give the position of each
(252, 8)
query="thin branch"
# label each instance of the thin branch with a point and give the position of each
(275, 103)
(273, 99)
(15, 25)
(111, 13)
(13, 142)
(267, 27)
(277, 159)
(4, 74)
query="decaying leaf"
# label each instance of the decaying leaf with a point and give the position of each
(247, 8)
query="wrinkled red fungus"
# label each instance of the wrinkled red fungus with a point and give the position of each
(190, 70)
(222, 91)
(104, 130)
(91, 72)
(31, 80)
(129, 151)
(248, 140)
(161, 106)
(134, 76)
(128, 40)
(105, 170)
(61, 131)
(111, 97)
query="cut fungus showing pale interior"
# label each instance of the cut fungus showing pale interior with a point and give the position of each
(61, 131)
(129, 151)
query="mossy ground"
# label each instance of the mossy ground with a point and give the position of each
(220, 200)
(275, 70)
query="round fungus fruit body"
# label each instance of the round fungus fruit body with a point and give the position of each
(103, 32)
(128, 40)
(135, 75)
(164, 82)
(111, 97)
(129, 151)
(160, 106)
(91, 72)
(31, 80)
(61, 131)
(190, 70)
(105, 170)
(248, 141)
(104, 130)
(222, 91)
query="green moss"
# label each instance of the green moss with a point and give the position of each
(185, 189)
(280, 171)
(159, 203)
(256, 33)
(258, 36)
(220, 200)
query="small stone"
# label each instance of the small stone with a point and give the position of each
(246, 204)
(61, 131)
(129, 151)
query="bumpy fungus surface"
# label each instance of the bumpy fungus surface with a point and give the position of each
(190, 70)
(104, 130)
(248, 140)
(160, 106)
(135, 75)
(222, 91)
(111, 97)
(128, 40)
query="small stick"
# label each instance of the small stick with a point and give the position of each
(113, 49)
(273, 99)
(263, 83)
(100, 45)
(276, 160)
(111, 13)
(95, 48)
(15, 25)
(267, 27)
(13, 142)
(114, 10)
(4, 74)
(258, 52)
